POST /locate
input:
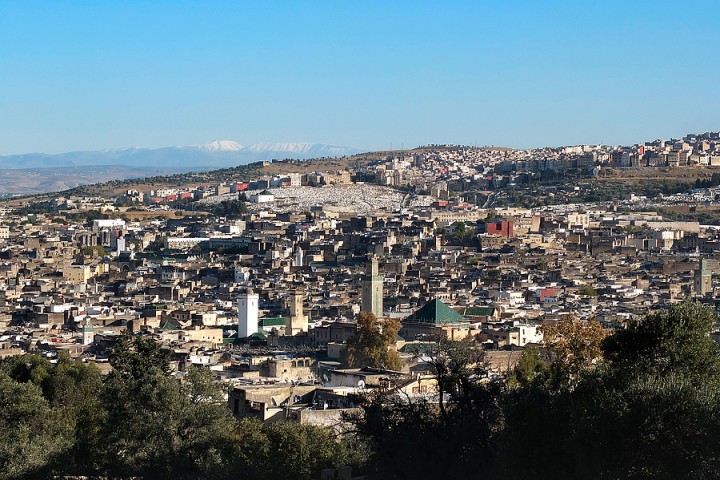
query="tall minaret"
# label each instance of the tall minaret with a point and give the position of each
(88, 334)
(703, 278)
(298, 321)
(248, 313)
(372, 289)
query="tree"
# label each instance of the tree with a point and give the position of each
(157, 427)
(652, 406)
(73, 389)
(31, 433)
(528, 367)
(673, 341)
(453, 430)
(91, 251)
(370, 346)
(573, 345)
(287, 450)
(588, 290)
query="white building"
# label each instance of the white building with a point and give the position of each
(248, 304)
(263, 197)
(242, 274)
(108, 223)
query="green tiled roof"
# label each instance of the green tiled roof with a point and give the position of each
(420, 347)
(171, 325)
(435, 312)
(479, 311)
(272, 322)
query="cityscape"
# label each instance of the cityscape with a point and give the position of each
(502, 261)
(275, 284)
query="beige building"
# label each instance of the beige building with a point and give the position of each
(203, 334)
(292, 369)
(77, 273)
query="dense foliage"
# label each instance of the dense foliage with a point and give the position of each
(642, 403)
(370, 346)
(648, 410)
(65, 419)
(226, 208)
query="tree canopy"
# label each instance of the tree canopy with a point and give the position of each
(370, 346)
(640, 403)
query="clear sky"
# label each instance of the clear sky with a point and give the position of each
(85, 75)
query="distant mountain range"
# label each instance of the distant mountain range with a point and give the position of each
(32, 173)
(217, 154)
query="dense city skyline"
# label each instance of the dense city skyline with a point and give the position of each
(94, 75)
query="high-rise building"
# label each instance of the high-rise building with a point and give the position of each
(372, 289)
(297, 322)
(248, 305)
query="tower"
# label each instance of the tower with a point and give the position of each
(372, 289)
(297, 322)
(703, 278)
(88, 334)
(248, 313)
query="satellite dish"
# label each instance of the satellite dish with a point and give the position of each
(325, 378)
(361, 384)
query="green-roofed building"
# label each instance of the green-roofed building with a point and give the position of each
(170, 325)
(435, 320)
(269, 323)
(435, 312)
(481, 313)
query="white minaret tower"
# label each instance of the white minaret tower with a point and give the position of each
(248, 313)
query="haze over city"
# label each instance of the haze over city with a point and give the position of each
(100, 75)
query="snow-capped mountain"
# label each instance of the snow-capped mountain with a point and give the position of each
(216, 154)
(221, 146)
(303, 148)
(135, 160)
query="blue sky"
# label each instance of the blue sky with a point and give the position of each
(85, 75)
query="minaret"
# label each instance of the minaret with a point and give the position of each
(248, 313)
(372, 289)
(88, 334)
(297, 322)
(703, 278)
